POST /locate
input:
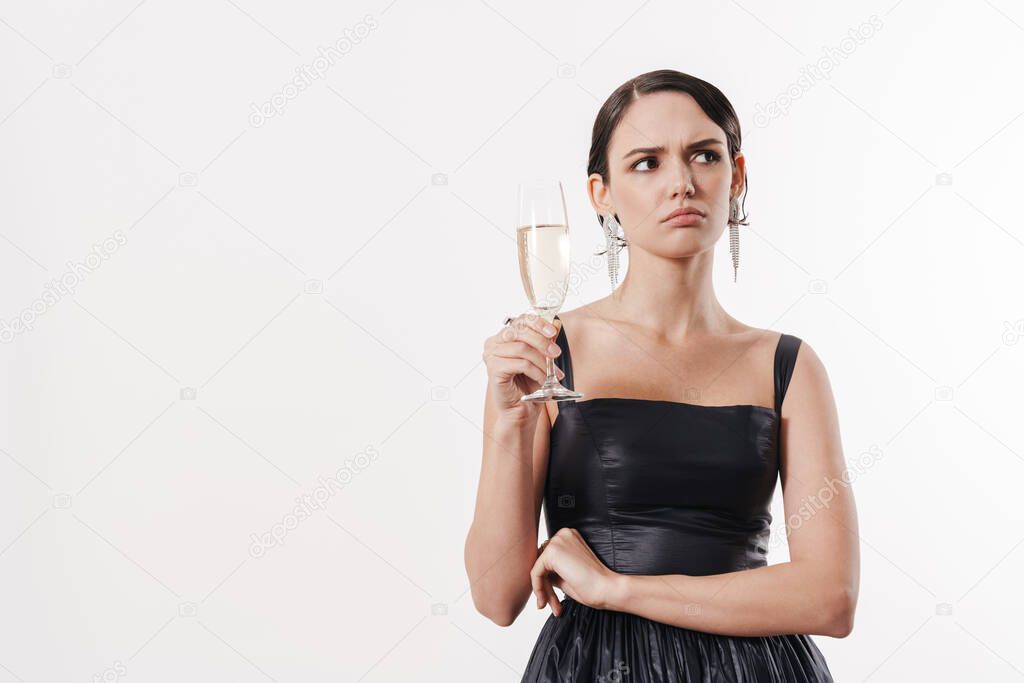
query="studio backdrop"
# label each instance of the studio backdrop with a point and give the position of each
(251, 252)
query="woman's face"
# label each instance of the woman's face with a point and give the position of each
(683, 162)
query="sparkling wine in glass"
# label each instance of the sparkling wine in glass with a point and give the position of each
(542, 244)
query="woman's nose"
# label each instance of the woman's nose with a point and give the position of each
(682, 181)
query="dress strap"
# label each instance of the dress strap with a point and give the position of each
(564, 360)
(785, 361)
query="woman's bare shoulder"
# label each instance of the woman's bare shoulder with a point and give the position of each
(584, 311)
(569, 319)
(582, 315)
(771, 338)
(807, 359)
(760, 336)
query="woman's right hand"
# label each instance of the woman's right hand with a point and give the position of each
(516, 358)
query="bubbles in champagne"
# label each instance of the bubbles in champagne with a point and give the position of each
(544, 266)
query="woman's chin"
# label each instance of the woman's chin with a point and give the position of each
(681, 249)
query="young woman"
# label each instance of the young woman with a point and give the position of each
(657, 484)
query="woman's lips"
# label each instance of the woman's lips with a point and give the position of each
(684, 220)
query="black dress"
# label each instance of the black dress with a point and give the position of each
(660, 487)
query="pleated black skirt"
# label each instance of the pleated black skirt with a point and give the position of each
(603, 646)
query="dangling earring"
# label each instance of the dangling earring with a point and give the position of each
(734, 236)
(614, 241)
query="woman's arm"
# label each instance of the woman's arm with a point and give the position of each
(782, 598)
(501, 546)
(816, 591)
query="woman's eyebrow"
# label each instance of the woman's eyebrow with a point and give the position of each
(660, 148)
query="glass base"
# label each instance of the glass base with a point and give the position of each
(552, 391)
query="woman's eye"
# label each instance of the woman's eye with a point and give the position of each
(709, 157)
(645, 159)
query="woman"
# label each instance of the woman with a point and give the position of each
(657, 485)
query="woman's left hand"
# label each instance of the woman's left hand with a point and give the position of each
(568, 563)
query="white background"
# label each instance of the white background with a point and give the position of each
(327, 301)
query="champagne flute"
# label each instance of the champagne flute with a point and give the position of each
(542, 244)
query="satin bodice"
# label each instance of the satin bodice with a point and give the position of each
(662, 487)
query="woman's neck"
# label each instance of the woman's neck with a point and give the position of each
(672, 298)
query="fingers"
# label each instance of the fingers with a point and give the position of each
(537, 581)
(505, 367)
(522, 348)
(541, 580)
(510, 367)
(552, 597)
(542, 595)
(524, 358)
(540, 583)
(535, 322)
(522, 351)
(546, 595)
(533, 330)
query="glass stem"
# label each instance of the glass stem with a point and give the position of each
(551, 379)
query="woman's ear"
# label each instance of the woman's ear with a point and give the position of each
(600, 195)
(739, 175)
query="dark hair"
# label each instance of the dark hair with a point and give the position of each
(708, 97)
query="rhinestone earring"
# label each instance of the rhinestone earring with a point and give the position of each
(614, 241)
(734, 236)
